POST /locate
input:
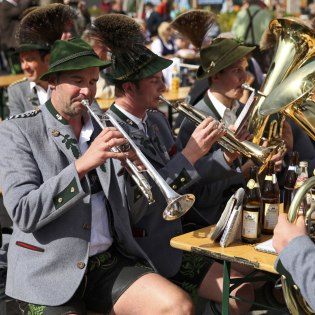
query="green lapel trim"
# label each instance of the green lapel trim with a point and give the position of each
(55, 114)
(211, 106)
(123, 117)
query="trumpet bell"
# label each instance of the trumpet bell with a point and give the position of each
(178, 206)
(293, 97)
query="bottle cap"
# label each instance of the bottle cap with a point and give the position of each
(303, 164)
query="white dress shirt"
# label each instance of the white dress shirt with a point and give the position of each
(228, 115)
(101, 238)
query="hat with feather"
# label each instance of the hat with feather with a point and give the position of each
(216, 54)
(131, 60)
(40, 27)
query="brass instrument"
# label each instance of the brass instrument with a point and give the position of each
(177, 205)
(295, 46)
(294, 300)
(258, 154)
(293, 98)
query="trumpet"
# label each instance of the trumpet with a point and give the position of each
(260, 155)
(177, 205)
(133, 171)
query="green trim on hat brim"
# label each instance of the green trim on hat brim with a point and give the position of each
(86, 62)
(237, 54)
(145, 70)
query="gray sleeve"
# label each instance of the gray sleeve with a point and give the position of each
(298, 258)
(30, 202)
(15, 103)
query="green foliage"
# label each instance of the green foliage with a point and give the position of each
(226, 20)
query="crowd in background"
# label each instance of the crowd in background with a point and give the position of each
(239, 18)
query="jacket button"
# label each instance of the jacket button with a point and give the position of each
(86, 226)
(60, 200)
(174, 187)
(55, 133)
(80, 264)
(183, 179)
(72, 189)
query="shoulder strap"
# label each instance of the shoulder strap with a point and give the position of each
(250, 25)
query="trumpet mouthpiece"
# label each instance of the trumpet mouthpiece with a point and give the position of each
(85, 103)
(245, 86)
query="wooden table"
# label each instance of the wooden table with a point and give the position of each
(5, 81)
(199, 242)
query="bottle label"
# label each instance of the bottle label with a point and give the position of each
(268, 178)
(300, 180)
(271, 213)
(250, 224)
(292, 168)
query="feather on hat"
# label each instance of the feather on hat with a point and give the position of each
(42, 26)
(195, 25)
(215, 55)
(131, 60)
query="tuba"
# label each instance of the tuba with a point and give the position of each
(295, 46)
(294, 98)
(294, 300)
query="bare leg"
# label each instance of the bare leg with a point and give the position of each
(212, 287)
(153, 294)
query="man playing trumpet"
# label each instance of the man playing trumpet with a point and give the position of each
(72, 248)
(137, 74)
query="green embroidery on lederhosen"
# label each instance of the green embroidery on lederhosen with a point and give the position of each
(35, 309)
(192, 266)
(104, 261)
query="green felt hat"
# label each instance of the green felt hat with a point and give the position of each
(131, 60)
(74, 54)
(136, 64)
(220, 54)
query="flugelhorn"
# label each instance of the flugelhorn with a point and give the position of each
(177, 205)
(260, 155)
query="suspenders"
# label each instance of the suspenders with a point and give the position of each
(250, 25)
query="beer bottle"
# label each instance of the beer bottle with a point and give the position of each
(251, 212)
(270, 196)
(290, 179)
(175, 80)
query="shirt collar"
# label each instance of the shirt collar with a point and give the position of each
(42, 94)
(220, 107)
(138, 121)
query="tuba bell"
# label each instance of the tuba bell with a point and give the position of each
(294, 98)
(295, 45)
(296, 304)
